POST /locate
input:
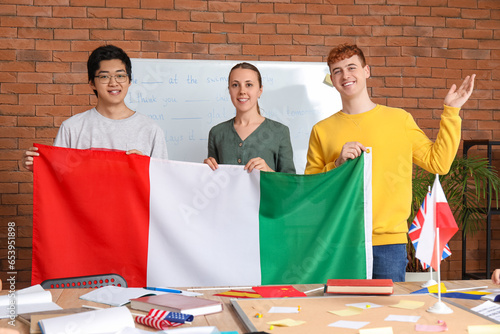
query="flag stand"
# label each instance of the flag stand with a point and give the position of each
(431, 281)
(439, 307)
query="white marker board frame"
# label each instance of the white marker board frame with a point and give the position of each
(188, 97)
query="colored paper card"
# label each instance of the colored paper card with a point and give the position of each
(463, 295)
(348, 311)
(328, 80)
(472, 292)
(420, 291)
(402, 318)
(380, 330)
(364, 305)
(484, 329)
(286, 323)
(348, 324)
(431, 289)
(441, 327)
(239, 294)
(282, 309)
(408, 304)
(278, 291)
(434, 288)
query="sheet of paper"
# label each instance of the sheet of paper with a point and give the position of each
(402, 318)
(349, 324)
(364, 305)
(488, 309)
(348, 311)
(282, 309)
(380, 330)
(484, 329)
(286, 323)
(408, 304)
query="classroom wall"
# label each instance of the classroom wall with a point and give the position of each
(417, 49)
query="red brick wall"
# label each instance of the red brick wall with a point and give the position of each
(417, 50)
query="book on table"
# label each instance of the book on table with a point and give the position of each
(108, 320)
(177, 303)
(359, 286)
(32, 319)
(31, 299)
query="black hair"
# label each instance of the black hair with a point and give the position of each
(107, 52)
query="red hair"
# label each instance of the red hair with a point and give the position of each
(344, 51)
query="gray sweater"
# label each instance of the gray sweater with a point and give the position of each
(90, 129)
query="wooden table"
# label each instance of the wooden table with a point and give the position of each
(228, 319)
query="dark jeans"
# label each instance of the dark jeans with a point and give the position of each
(389, 261)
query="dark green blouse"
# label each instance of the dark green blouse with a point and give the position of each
(270, 141)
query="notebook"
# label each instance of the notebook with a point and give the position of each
(110, 320)
(31, 299)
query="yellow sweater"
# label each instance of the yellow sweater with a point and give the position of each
(396, 142)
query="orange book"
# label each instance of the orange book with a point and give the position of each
(360, 286)
(174, 302)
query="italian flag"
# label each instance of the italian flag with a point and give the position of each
(171, 223)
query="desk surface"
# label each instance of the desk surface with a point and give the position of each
(228, 319)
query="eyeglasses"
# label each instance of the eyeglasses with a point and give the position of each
(104, 79)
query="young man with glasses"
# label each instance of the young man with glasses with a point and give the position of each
(111, 124)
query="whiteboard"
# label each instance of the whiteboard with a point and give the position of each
(188, 97)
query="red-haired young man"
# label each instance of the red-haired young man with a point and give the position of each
(397, 143)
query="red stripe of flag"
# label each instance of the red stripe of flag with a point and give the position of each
(119, 192)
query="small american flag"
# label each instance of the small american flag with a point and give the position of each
(156, 319)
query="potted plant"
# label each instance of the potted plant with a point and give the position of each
(466, 187)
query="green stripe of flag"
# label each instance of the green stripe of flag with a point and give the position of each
(319, 231)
